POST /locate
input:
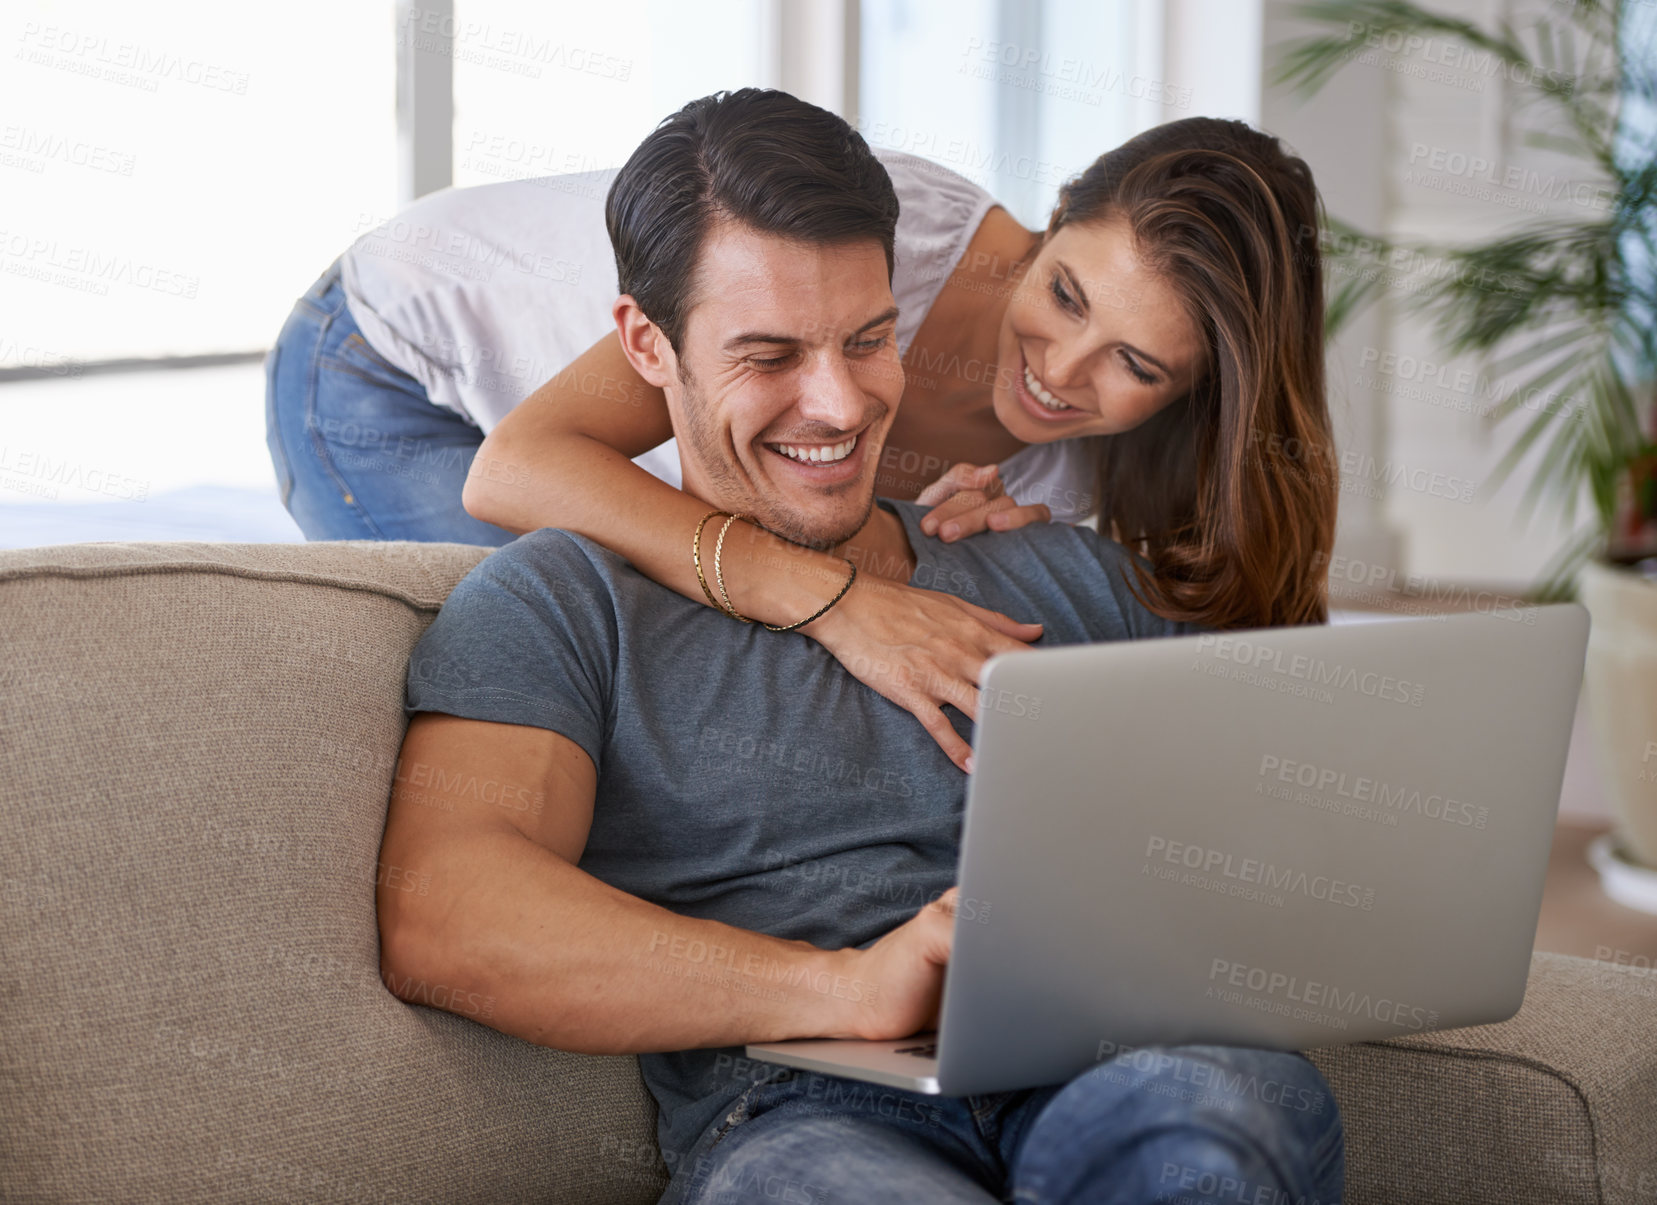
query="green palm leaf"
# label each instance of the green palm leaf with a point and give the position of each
(1563, 308)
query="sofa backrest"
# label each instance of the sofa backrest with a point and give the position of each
(198, 743)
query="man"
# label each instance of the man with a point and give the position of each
(640, 826)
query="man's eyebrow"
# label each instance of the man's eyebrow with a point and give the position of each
(757, 337)
(749, 337)
(1081, 296)
(881, 319)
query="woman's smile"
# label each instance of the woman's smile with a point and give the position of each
(1123, 362)
(1040, 401)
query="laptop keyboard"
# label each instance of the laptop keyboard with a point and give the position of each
(928, 1051)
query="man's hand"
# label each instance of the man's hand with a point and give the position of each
(479, 892)
(907, 965)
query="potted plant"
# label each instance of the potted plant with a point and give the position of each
(1563, 307)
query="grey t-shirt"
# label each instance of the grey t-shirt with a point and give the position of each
(745, 776)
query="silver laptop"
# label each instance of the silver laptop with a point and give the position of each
(1282, 838)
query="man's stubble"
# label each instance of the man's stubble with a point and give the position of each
(716, 460)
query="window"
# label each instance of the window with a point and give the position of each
(174, 179)
(175, 175)
(540, 97)
(1016, 95)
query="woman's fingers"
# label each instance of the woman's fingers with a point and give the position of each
(967, 510)
(935, 722)
(964, 695)
(962, 475)
(945, 518)
(1014, 633)
(985, 480)
(975, 519)
(1013, 517)
(924, 650)
(939, 491)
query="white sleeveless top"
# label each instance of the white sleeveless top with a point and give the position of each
(484, 294)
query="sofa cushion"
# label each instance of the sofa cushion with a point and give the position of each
(199, 743)
(1558, 1104)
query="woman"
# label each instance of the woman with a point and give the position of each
(1154, 357)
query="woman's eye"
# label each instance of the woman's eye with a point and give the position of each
(1063, 295)
(1139, 374)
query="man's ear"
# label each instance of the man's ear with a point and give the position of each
(643, 343)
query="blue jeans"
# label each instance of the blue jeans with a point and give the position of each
(1182, 1124)
(361, 453)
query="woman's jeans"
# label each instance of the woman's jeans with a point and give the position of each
(1182, 1124)
(360, 452)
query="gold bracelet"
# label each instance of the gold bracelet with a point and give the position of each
(719, 574)
(719, 570)
(696, 557)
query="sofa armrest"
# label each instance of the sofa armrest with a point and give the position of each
(1558, 1104)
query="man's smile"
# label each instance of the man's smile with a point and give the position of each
(820, 462)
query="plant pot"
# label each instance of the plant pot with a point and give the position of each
(1620, 678)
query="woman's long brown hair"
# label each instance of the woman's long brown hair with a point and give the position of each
(1230, 492)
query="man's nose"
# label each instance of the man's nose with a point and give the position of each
(831, 394)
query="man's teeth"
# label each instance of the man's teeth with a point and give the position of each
(1039, 392)
(818, 453)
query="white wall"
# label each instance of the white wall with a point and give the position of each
(1213, 48)
(1344, 138)
(1420, 145)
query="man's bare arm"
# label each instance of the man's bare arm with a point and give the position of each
(480, 900)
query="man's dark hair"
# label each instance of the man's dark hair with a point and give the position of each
(761, 157)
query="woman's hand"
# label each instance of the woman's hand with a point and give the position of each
(971, 498)
(920, 649)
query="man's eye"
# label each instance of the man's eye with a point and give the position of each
(772, 362)
(871, 345)
(1063, 295)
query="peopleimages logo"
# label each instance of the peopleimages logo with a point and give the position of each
(1257, 657)
(1328, 1003)
(1214, 862)
(1362, 790)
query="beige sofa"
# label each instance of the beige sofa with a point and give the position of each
(198, 742)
